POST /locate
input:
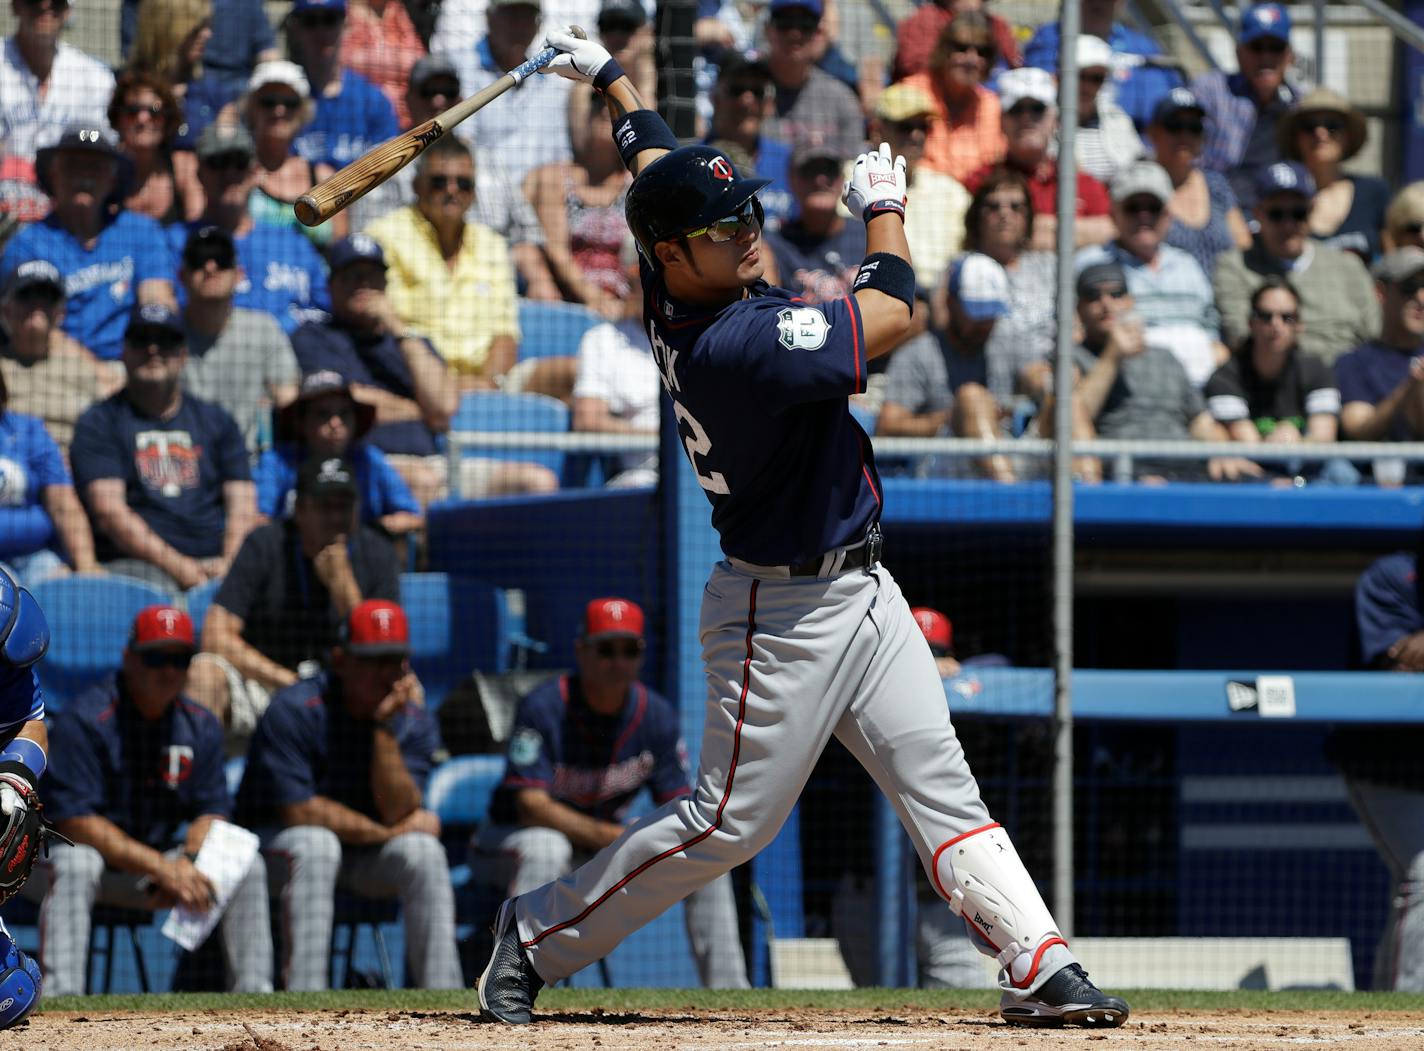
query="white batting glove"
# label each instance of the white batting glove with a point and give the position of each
(877, 184)
(578, 59)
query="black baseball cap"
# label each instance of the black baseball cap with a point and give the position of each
(1099, 274)
(621, 14)
(318, 478)
(32, 273)
(209, 242)
(153, 322)
(358, 248)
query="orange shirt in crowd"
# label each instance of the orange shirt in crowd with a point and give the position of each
(963, 146)
(382, 48)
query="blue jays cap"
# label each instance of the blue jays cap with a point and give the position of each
(980, 285)
(816, 7)
(1260, 21)
(148, 317)
(303, 6)
(1284, 177)
(358, 248)
(1175, 101)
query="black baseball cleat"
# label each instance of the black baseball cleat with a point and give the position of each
(509, 983)
(1068, 998)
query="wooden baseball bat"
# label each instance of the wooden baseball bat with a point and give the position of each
(378, 164)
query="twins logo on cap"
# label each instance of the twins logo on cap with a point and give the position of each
(721, 168)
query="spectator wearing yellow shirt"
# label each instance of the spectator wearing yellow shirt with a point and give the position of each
(452, 280)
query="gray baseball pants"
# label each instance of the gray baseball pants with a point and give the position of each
(789, 662)
(524, 859)
(306, 863)
(73, 880)
(1395, 820)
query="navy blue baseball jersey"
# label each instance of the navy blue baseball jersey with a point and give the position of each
(1389, 604)
(149, 778)
(307, 745)
(760, 390)
(591, 762)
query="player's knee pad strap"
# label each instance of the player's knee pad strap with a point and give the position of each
(981, 877)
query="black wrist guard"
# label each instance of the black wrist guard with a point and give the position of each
(610, 72)
(641, 130)
(876, 208)
(889, 274)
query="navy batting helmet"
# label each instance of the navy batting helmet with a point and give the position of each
(684, 190)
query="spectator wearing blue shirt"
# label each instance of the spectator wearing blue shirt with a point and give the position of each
(1382, 381)
(387, 364)
(165, 475)
(581, 749)
(1244, 108)
(335, 782)
(38, 504)
(817, 254)
(741, 102)
(111, 258)
(325, 421)
(1138, 76)
(282, 273)
(133, 763)
(352, 114)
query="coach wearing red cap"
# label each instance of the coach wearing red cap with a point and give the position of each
(132, 761)
(582, 747)
(334, 783)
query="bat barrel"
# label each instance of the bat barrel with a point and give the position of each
(307, 209)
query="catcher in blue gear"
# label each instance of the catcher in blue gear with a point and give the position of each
(24, 637)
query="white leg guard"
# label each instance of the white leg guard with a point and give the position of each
(982, 878)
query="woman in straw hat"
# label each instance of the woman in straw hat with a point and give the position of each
(1323, 133)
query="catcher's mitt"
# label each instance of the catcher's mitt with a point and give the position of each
(23, 830)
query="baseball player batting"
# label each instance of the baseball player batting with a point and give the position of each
(804, 633)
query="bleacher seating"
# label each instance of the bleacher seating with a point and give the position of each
(552, 329)
(89, 621)
(197, 600)
(524, 413)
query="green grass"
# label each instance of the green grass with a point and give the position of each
(622, 1000)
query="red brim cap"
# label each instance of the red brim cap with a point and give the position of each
(938, 631)
(377, 628)
(606, 617)
(157, 626)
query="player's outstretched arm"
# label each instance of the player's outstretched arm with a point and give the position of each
(884, 288)
(634, 123)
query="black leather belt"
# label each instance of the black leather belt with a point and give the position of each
(858, 557)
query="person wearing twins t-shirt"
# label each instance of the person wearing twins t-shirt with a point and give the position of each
(136, 780)
(581, 749)
(165, 476)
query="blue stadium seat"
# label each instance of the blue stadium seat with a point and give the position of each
(89, 620)
(864, 416)
(523, 413)
(460, 789)
(440, 611)
(552, 329)
(198, 600)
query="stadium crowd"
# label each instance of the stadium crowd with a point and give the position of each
(194, 387)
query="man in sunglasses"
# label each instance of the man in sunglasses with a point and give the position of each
(808, 103)
(1029, 113)
(46, 83)
(280, 273)
(132, 762)
(238, 358)
(741, 105)
(165, 476)
(352, 115)
(805, 633)
(47, 372)
(818, 253)
(1244, 108)
(1338, 306)
(1382, 380)
(582, 748)
(334, 784)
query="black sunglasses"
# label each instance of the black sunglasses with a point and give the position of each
(228, 162)
(462, 182)
(1092, 295)
(58, 5)
(1151, 207)
(984, 51)
(167, 343)
(807, 23)
(1310, 125)
(135, 109)
(199, 258)
(737, 89)
(911, 125)
(1268, 45)
(1174, 126)
(156, 659)
(46, 295)
(1029, 108)
(1093, 78)
(627, 650)
(1267, 316)
(320, 19)
(275, 101)
(1281, 215)
(1415, 228)
(1411, 287)
(430, 91)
